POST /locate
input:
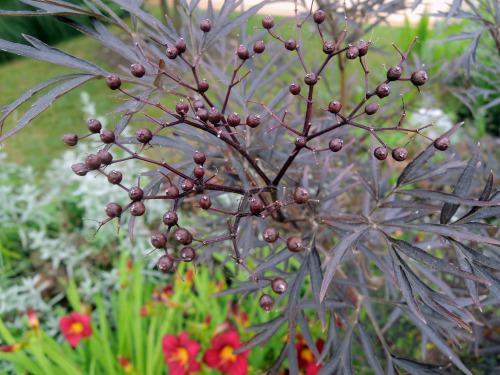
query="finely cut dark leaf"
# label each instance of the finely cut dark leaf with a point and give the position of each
(439, 342)
(430, 260)
(448, 231)
(494, 288)
(471, 285)
(418, 368)
(482, 213)
(43, 52)
(273, 260)
(45, 102)
(342, 356)
(306, 333)
(369, 351)
(474, 255)
(244, 287)
(337, 254)
(261, 338)
(461, 188)
(316, 281)
(445, 197)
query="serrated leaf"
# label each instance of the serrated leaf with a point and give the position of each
(262, 337)
(244, 287)
(43, 52)
(306, 333)
(471, 285)
(430, 260)
(273, 260)
(27, 95)
(369, 351)
(45, 102)
(494, 288)
(474, 255)
(447, 231)
(438, 341)
(337, 254)
(316, 281)
(414, 367)
(446, 197)
(417, 164)
(461, 187)
(341, 357)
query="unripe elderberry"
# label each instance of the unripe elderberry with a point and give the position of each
(329, 47)
(300, 141)
(295, 244)
(381, 153)
(291, 44)
(181, 107)
(319, 16)
(203, 86)
(279, 285)
(362, 47)
(371, 108)
(259, 47)
(268, 22)
(113, 82)
(294, 89)
(301, 196)
(92, 161)
(199, 157)
(400, 154)
(80, 169)
(336, 144)
(205, 26)
(158, 240)
(270, 234)
(394, 73)
(183, 236)
(107, 136)
(205, 202)
(135, 193)
(198, 171)
(137, 209)
(105, 156)
(419, 78)
(187, 184)
(113, 210)
(266, 302)
(334, 106)
(165, 263)
(137, 70)
(253, 120)
(71, 139)
(171, 52)
(94, 125)
(442, 143)
(233, 119)
(256, 206)
(352, 53)
(383, 90)
(170, 218)
(180, 44)
(310, 79)
(242, 52)
(143, 135)
(188, 254)
(115, 177)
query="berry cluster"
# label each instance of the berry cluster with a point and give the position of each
(200, 110)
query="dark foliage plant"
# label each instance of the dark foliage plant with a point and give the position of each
(329, 221)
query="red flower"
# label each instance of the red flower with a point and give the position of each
(306, 357)
(33, 319)
(180, 354)
(74, 327)
(221, 356)
(10, 348)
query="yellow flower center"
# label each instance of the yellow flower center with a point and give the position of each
(76, 328)
(306, 355)
(181, 356)
(227, 354)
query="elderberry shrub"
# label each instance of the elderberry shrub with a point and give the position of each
(363, 249)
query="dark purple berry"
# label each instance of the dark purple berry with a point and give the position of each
(253, 120)
(335, 106)
(171, 52)
(394, 73)
(205, 26)
(371, 108)
(267, 22)
(158, 240)
(170, 218)
(113, 82)
(310, 79)
(352, 53)
(92, 161)
(187, 184)
(143, 135)
(301, 196)
(442, 143)
(214, 116)
(319, 16)
(279, 285)
(135, 193)
(233, 119)
(197, 104)
(242, 52)
(362, 47)
(329, 47)
(183, 236)
(205, 202)
(419, 78)
(266, 302)
(188, 254)
(380, 153)
(165, 263)
(80, 169)
(198, 171)
(202, 114)
(294, 89)
(105, 156)
(113, 210)
(256, 206)
(295, 244)
(400, 154)
(172, 192)
(203, 85)
(291, 44)
(336, 144)
(115, 177)
(137, 209)
(180, 45)
(137, 70)
(181, 107)
(383, 90)
(270, 235)
(71, 139)
(259, 47)
(94, 125)
(300, 141)
(107, 136)
(199, 157)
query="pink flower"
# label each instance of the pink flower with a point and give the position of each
(222, 358)
(180, 354)
(74, 327)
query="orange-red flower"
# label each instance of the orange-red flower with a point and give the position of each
(33, 321)
(306, 357)
(10, 348)
(180, 354)
(222, 358)
(125, 364)
(74, 327)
